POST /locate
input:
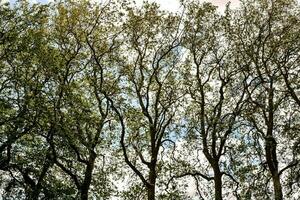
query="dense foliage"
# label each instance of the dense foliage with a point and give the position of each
(118, 101)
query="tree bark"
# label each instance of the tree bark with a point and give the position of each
(277, 187)
(273, 167)
(152, 180)
(218, 183)
(151, 192)
(84, 190)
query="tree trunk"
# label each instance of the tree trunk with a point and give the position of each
(272, 162)
(152, 180)
(218, 183)
(84, 191)
(277, 187)
(151, 192)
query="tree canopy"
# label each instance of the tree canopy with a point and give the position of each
(111, 100)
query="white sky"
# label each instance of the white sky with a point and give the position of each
(173, 5)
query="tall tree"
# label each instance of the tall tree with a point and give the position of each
(259, 33)
(150, 89)
(212, 83)
(22, 99)
(84, 36)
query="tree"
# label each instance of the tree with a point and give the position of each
(81, 113)
(259, 34)
(22, 44)
(148, 110)
(212, 81)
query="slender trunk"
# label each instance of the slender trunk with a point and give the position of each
(214, 163)
(151, 192)
(218, 183)
(152, 180)
(84, 190)
(277, 187)
(270, 146)
(273, 166)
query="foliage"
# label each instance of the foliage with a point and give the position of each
(111, 100)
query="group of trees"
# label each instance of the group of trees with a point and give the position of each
(116, 101)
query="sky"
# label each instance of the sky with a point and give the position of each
(171, 5)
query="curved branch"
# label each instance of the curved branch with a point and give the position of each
(292, 164)
(122, 141)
